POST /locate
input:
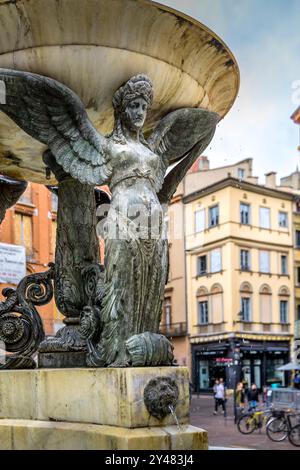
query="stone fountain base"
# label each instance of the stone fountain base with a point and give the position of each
(92, 409)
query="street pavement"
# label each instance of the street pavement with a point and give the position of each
(223, 433)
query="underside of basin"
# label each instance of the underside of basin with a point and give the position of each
(93, 46)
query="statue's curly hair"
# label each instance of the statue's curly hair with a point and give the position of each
(138, 86)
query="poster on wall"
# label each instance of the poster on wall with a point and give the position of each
(12, 263)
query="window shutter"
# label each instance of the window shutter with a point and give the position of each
(215, 261)
(264, 217)
(200, 221)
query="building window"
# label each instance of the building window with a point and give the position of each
(54, 201)
(283, 264)
(298, 312)
(215, 261)
(264, 261)
(246, 294)
(168, 312)
(26, 197)
(241, 173)
(200, 221)
(297, 206)
(201, 265)
(203, 313)
(264, 217)
(297, 238)
(298, 275)
(245, 260)
(213, 216)
(265, 298)
(283, 311)
(283, 219)
(245, 213)
(53, 235)
(245, 309)
(23, 232)
(216, 305)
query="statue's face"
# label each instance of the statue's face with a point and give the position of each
(135, 114)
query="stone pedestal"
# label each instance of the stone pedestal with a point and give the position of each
(92, 409)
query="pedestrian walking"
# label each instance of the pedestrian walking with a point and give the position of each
(220, 397)
(215, 392)
(297, 380)
(253, 397)
(240, 395)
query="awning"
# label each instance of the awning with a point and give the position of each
(289, 366)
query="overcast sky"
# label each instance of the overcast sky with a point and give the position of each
(264, 36)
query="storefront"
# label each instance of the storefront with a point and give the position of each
(250, 361)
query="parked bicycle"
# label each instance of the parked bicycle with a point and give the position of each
(280, 427)
(254, 419)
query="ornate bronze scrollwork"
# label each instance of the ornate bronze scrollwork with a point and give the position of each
(21, 327)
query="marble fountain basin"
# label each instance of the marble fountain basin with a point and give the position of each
(93, 46)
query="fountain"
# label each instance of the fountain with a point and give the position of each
(75, 95)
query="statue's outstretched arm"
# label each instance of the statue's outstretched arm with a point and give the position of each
(53, 114)
(181, 135)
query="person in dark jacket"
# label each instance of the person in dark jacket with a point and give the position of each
(253, 397)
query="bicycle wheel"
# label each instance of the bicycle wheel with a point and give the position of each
(246, 424)
(277, 429)
(294, 436)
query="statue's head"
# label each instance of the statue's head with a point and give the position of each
(132, 101)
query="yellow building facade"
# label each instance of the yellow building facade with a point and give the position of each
(234, 288)
(240, 272)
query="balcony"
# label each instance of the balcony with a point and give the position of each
(173, 329)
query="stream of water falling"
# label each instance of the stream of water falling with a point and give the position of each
(178, 426)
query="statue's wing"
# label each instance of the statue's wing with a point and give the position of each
(54, 115)
(181, 135)
(10, 191)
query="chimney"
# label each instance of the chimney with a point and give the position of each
(203, 163)
(271, 179)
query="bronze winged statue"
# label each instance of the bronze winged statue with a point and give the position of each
(121, 322)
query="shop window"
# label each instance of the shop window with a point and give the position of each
(200, 221)
(215, 261)
(214, 216)
(216, 309)
(264, 217)
(245, 214)
(275, 376)
(245, 260)
(265, 297)
(23, 232)
(264, 261)
(283, 219)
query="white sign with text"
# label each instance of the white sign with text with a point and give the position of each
(12, 263)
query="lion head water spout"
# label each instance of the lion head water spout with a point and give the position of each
(161, 396)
